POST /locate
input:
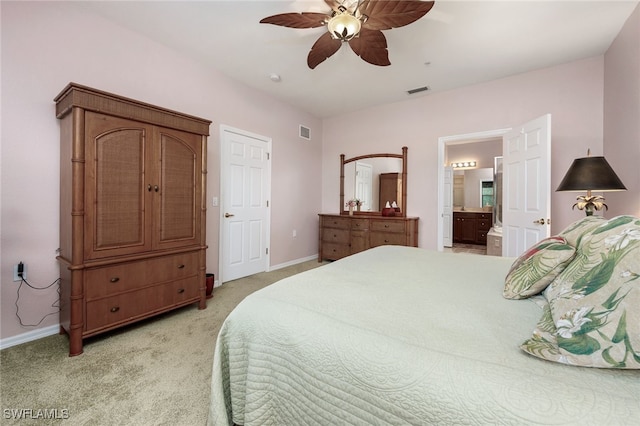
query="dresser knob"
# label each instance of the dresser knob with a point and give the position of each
(180, 266)
(115, 309)
(386, 226)
(114, 279)
(180, 291)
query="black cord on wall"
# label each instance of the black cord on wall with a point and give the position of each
(55, 304)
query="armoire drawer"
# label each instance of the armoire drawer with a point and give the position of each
(388, 226)
(110, 280)
(108, 311)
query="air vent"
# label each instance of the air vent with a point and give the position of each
(418, 90)
(305, 132)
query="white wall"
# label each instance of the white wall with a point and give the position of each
(45, 45)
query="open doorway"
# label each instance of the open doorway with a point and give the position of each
(526, 176)
(469, 188)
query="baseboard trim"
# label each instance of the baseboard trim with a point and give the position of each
(293, 262)
(29, 336)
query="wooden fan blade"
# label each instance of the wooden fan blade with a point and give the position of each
(384, 14)
(323, 48)
(333, 4)
(371, 46)
(297, 20)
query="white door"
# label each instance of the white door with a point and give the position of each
(245, 183)
(364, 185)
(447, 207)
(527, 176)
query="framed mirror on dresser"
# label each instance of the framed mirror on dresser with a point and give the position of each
(368, 183)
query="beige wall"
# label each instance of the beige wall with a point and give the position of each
(622, 116)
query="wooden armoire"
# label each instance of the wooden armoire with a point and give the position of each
(132, 211)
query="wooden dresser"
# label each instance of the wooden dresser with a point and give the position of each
(132, 211)
(471, 227)
(343, 235)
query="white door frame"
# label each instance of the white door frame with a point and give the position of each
(443, 141)
(223, 177)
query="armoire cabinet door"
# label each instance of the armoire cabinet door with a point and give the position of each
(118, 164)
(177, 205)
(144, 183)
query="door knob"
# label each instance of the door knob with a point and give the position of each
(228, 215)
(539, 221)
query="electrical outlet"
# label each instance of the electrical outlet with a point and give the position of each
(295, 233)
(18, 270)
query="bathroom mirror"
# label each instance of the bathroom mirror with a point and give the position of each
(374, 179)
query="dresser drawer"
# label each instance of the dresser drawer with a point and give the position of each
(335, 236)
(335, 251)
(110, 280)
(112, 310)
(359, 224)
(336, 222)
(398, 226)
(387, 238)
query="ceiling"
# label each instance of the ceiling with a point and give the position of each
(456, 44)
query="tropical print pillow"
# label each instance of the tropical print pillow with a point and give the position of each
(574, 232)
(534, 270)
(594, 304)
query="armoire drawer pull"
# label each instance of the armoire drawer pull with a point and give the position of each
(115, 309)
(386, 225)
(180, 266)
(180, 290)
(115, 279)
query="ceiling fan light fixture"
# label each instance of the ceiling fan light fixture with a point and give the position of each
(344, 26)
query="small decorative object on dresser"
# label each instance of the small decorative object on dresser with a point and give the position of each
(132, 211)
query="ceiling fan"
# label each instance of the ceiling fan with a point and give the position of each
(357, 22)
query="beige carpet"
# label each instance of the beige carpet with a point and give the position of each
(157, 372)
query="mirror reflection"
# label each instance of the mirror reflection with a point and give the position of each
(473, 189)
(373, 181)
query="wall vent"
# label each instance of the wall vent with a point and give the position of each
(305, 132)
(418, 90)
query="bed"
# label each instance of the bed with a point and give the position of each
(402, 335)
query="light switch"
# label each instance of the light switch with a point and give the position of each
(215, 201)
